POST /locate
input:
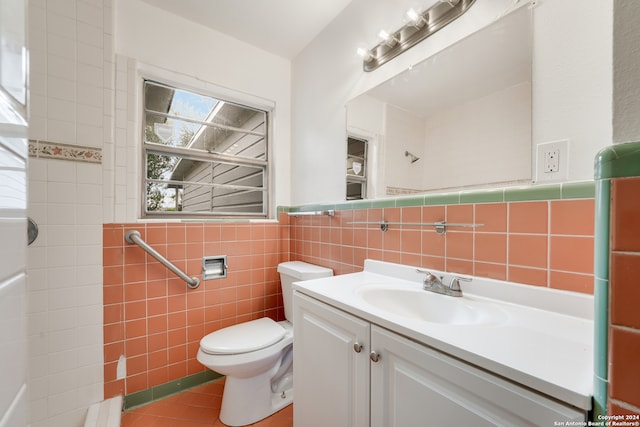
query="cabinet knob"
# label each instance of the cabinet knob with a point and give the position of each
(374, 356)
(357, 347)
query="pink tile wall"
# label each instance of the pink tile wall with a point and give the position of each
(155, 321)
(624, 332)
(541, 243)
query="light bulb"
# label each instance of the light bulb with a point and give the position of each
(413, 15)
(387, 38)
(365, 54)
(384, 35)
(415, 18)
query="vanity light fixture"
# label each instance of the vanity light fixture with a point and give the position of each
(420, 26)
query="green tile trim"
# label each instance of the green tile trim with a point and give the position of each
(567, 190)
(383, 203)
(601, 295)
(618, 161)
(344, 206)
(600, 397)
(318, 207)
(482, 196)
(361, 204)
(163, 390)
(533, 192)
(601, 328)
(410, 201)
(139, 398)
(602, 222)
(579, 190)
(442, 199)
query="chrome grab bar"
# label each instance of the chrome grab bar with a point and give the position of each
(134, 236)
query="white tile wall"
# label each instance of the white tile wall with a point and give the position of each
(71, 81)
(124, 157)
(65, 292)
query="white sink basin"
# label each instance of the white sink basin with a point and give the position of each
(431, 307)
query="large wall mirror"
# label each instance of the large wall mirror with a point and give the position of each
(460, 119)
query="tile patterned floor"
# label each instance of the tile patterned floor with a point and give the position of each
(196, 407)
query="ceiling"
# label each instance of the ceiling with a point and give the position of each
(281, 27)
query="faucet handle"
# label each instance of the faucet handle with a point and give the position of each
(455, 282)
(430, 277)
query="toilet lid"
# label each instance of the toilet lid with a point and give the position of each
(243, 337)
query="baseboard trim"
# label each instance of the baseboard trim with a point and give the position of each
(167, 389)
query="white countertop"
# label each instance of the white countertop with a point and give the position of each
(544, 340)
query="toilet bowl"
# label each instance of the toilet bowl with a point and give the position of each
(257, 356)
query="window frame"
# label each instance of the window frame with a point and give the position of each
(226, 96)
(363, 179)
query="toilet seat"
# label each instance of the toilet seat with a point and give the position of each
(243, 338)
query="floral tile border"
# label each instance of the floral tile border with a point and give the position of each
(54, 150)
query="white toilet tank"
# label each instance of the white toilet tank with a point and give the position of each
(296, 271)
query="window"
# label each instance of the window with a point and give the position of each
(203, 156)
(356, 168)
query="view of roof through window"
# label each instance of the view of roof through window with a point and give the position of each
(203, 154)
(189, 106)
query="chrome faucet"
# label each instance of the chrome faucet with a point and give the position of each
(434, 283)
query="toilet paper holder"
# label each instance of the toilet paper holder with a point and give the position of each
(214, 267)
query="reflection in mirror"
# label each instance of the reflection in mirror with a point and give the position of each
(356, 168)
(465, 112)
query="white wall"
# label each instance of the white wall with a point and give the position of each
(572, 78)
(571, 94)
(626, 68)
(204, 60)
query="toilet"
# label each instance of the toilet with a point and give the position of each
(257, 356)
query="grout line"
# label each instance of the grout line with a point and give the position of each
(625, 328)
(625, 405)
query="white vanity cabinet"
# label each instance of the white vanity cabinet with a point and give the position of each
(331, 366)
(412, 384)
(393, 381)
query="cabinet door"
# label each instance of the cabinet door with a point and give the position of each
(413, 385)
(330, 378)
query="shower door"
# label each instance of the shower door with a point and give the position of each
(13, 207)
